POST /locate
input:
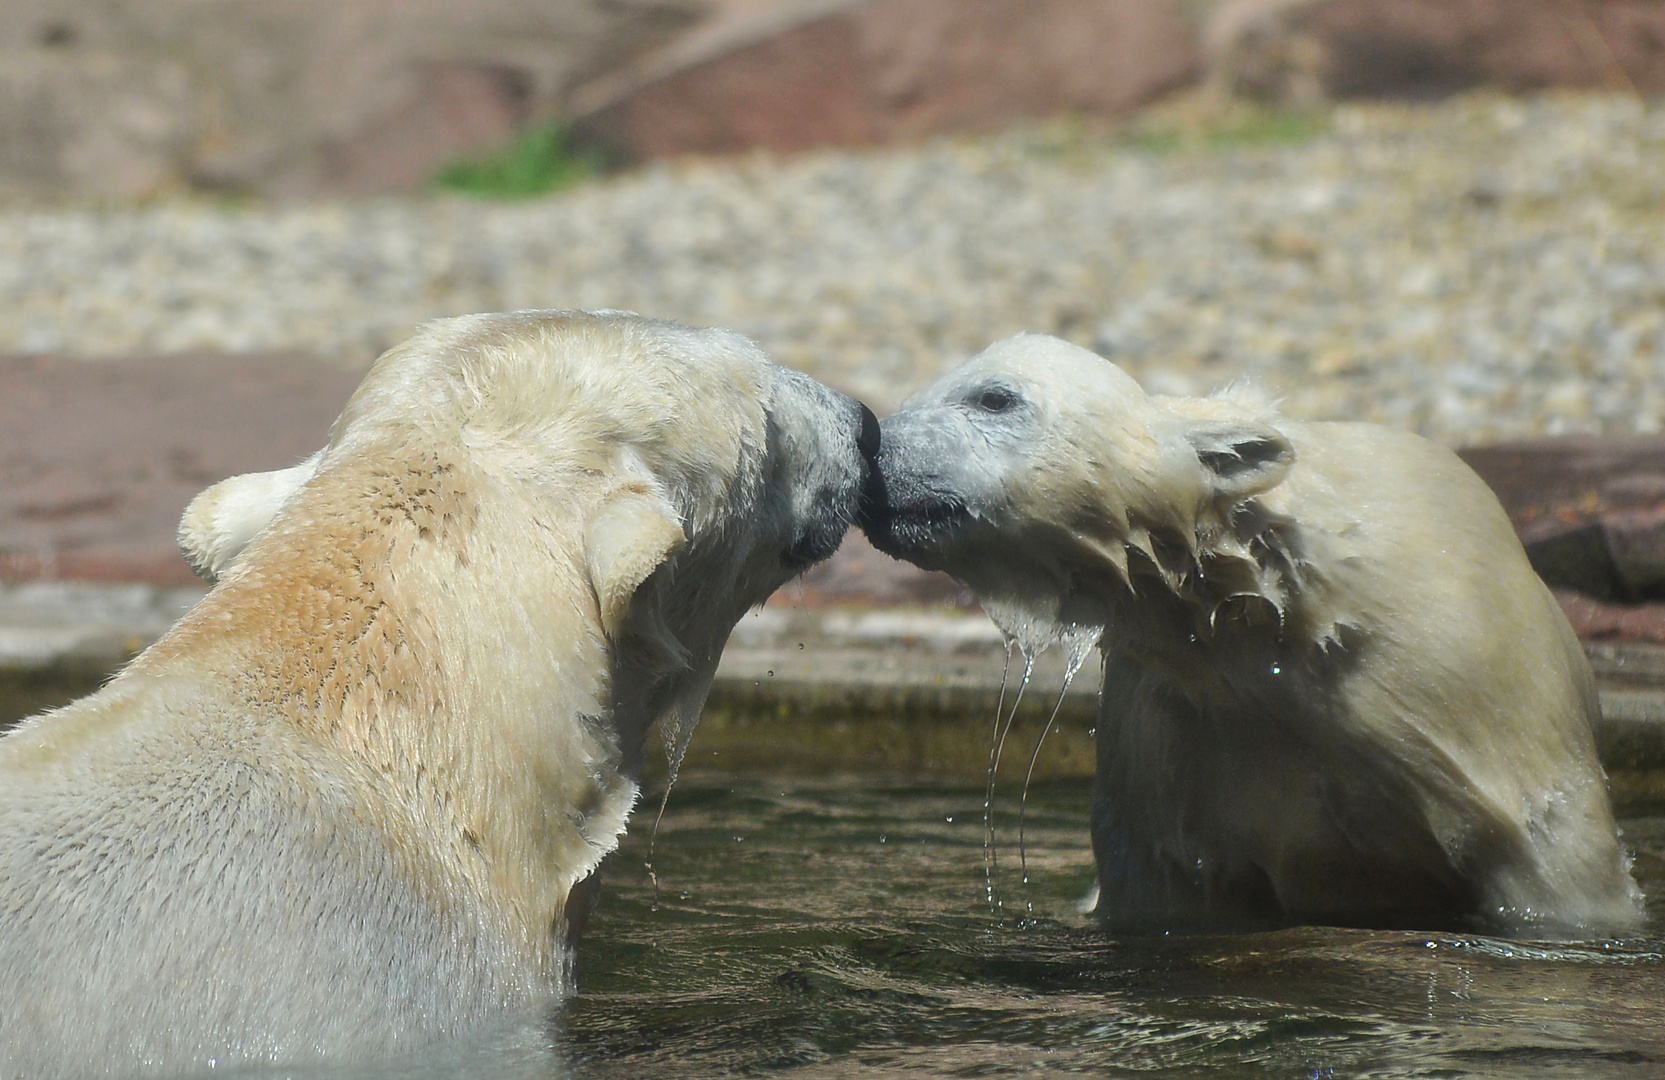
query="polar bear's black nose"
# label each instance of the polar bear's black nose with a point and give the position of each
(868, 441)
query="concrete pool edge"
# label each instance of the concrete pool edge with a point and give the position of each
(875, 689)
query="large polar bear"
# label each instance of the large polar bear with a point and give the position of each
(350, 802)
(1334, 689)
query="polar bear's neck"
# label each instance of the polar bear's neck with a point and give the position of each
(433, 645)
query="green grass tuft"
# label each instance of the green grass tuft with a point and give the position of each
(1271, 128)
(542, 160)
(1203, 122)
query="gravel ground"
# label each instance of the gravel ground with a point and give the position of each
(1481, 269)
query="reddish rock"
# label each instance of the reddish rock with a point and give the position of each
(97, 460)
(1591, 511)
(291, 97)
(1599, 621)
(1552, 484)
(887, 71)
(298, 98)
(1297, 51)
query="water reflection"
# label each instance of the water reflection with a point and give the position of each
(840, 928)
(819, 929)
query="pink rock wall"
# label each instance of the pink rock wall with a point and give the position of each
(1298, 51)
(895, 70)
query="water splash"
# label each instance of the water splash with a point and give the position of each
(1036, 625)
(1031, 626)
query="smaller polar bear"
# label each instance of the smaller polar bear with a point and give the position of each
(1334, 690)
(354, 801)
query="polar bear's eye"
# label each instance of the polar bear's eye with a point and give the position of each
(995, 399)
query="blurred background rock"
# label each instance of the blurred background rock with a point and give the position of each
(297, 98)
(1440, 214)
(292, 98)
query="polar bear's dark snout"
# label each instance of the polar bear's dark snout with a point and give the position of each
(829, 442)
(904, 517)
(909, 501)
(936, 474)
(841, 505)
(945, 461)
(868, 440)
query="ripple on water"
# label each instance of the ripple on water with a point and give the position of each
(848, 934)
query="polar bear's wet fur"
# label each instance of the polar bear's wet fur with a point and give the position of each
(1335, 691)
(351, 802)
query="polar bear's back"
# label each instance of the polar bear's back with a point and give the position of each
(1472, 669)
(1416, 554)
(142, 882)
(1378, 486)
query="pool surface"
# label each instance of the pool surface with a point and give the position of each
(844, 928)
(849, 926)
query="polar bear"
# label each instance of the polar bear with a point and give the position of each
(349, 803)
(1334, 690)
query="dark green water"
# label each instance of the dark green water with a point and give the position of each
(814, 928)
(819, 929)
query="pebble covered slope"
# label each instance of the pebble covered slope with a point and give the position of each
(1481, 269)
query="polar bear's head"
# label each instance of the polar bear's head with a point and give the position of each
(1043, 476)
(671, 477)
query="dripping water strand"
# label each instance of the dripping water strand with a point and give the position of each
(996, 902)
(1000, 704)
(988, 788)
(677, 732)
(676, 748)
(653, 839)
(1080, 648)
(1023, 802)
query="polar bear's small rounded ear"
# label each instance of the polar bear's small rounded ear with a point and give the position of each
(220, 522)
(1241, 460)
(626, 540)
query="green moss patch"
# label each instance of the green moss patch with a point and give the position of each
(544, 159)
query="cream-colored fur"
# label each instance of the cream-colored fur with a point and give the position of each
(1334, 689)
(340, 808)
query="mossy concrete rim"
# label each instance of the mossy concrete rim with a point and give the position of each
(815, 692)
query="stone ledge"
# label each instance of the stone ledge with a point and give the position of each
(867, 690)
(77, 628)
